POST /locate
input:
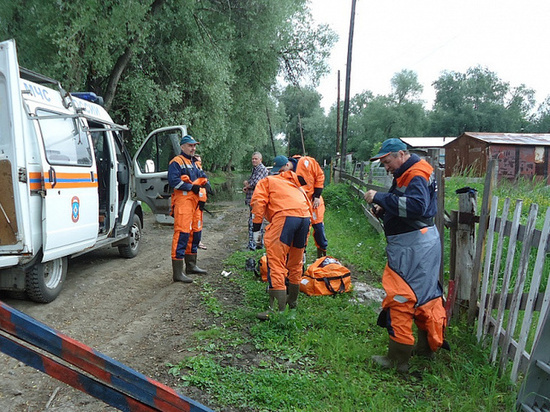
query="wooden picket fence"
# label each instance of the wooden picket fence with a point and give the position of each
(512, 280)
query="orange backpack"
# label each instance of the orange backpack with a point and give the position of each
(326, 276)
(262, 268)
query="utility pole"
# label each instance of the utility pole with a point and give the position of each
(338, 131)
(301, 135)
(348, 79)
(271, 132)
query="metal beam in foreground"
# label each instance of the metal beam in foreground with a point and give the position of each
(47, 350)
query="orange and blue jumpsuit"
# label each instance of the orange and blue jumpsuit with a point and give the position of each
(411, 275)
(184, 172)
(313, 178)
(281, 200)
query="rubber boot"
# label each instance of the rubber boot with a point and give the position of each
(422, 346)
(177, 272)
(398, 357)
(292, 298)
(191, 265)
(277, 299)
(321, 253)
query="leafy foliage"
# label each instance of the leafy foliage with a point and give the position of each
(211, 65)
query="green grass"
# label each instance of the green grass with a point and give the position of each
(320, 361)
(530, 191)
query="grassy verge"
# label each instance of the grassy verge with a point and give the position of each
(320, 361)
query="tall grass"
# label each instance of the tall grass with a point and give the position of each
(320, 361)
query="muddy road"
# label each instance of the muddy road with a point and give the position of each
(128, 309)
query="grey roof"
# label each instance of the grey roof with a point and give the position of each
(528, 139)
(427, 142)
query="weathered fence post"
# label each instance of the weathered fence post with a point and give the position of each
(440, 218)
(465, 243)
(490, 183)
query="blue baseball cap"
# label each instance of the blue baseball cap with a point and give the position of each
(279, 162)
(188, 139)
(389, 146)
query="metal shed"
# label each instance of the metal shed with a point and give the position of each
(518, 154)
(429, 145)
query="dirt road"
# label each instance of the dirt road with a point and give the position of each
(130, 310)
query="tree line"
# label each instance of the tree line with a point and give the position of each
(217, 65)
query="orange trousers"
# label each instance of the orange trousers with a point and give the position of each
(184, 210)
(400, 311)
(285, 241)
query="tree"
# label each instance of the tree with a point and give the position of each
(211, 65)
(405, 87)
(478, 101)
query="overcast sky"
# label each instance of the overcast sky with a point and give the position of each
(510, 38)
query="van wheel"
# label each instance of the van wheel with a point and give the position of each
(44, 281)
(131, 248)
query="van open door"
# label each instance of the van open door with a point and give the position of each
(13, 199)
(151, 169)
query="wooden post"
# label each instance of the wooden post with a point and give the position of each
(490, 182)
(440, 217)
(465, 244)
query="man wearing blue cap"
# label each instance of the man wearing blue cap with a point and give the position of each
(411, 275)
(188, 180)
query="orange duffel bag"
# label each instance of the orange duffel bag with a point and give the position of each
(261, 270)
(326, 276)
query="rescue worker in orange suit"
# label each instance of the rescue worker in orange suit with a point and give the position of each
(281, 200)
(188, 181)
(411, 275)
(313, 178)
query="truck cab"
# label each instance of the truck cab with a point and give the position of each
(68, 182)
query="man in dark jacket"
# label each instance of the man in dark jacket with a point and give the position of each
(411, 276)
(188, 180)
(259, 171)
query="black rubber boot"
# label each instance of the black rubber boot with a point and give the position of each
(398, 357)
(191, 265)
(292, 298)
(277, 298)
(177, 272)
(422, 346)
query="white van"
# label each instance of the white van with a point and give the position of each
(67, 181)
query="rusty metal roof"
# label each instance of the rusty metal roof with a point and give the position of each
(528, 139)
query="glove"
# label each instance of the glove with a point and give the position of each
(256, 236)
(195, 189)
(201, 205)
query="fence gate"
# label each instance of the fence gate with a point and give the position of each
(510, 293)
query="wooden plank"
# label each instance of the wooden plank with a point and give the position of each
(440, 219)
(8, 219)
(506, 278)
(465, 242)
(496, 266)
(524, 301)
(487, 270)
(523, 266)
(98, 365)
(359, 182)
(533, 292)
(490, 181)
